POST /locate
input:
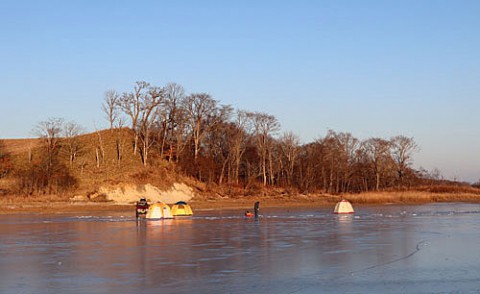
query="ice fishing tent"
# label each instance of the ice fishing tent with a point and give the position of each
(181, 208)
(159, 210)
(343, 207)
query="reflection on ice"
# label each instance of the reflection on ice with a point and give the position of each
(157, 222)
(344, 217)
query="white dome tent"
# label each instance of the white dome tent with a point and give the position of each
(343, 207)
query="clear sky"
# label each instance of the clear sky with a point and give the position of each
(371, 68)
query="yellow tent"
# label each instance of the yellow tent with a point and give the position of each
(181, 209)
(343, 207)
(159, 210)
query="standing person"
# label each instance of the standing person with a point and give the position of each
(255, 208)
(141, 207)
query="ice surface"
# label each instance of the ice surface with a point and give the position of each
(380, 249)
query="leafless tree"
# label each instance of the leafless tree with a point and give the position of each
(379, 152)
(347, 148)
(171, 118)
(264, 126)
(331, 158)
(99, 149)
(110, 106)
(402, 152)
(49, 132)
(178, 138)
(289, 144)
(71, 131)
(238, 141)
(225, 143)
(148, 114)
(119, 140)
(217, 144)
(131, 104)
(202, 114)
(5, 160)
(361, 169)
(310, 168)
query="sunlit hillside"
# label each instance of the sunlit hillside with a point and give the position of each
(101, 158)
(20, 146)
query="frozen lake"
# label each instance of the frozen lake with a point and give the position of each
(381, 249)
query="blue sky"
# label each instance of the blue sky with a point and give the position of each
(371, 68)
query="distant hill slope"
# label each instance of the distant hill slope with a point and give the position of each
(19, 146)
(104, 160)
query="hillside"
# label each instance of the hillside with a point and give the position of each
(103, 161)
(20, 146)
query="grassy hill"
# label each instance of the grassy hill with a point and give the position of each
(97, 162)
(17, 147)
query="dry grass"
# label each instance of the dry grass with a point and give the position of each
(57, 204)
(19, 146)
(411, 197)
(321, 200)
(450, 189)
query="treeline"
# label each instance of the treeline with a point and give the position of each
(218, 145)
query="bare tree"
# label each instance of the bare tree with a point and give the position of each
(264, 126)
(171, 116)
(5, 160)
(347, 148)
(331, 158)
(379, 152)
(217, 143)
(289, 144)
(148, 113)
(202, 114)
(119, 140)
(402, 152)
(71, 131)
(49, 131)
(99, 149)
(238, 141)
(131, 104)
(110, 106)
(311, 172)
(179, 135)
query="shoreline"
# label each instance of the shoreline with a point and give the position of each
(22, 205)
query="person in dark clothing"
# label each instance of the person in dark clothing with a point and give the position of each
(256, 207)
(141, 207)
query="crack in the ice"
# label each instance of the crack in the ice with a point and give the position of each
(417, 249)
